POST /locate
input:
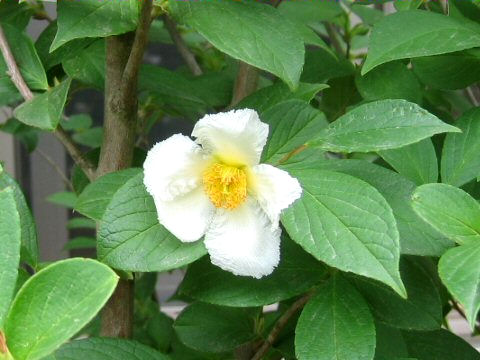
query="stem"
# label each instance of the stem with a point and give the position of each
(462, 314)
(245, 83)
(292, 153)
(279, 325)
(182, 48)
(124, 54)
(54, 165)
(471, 96)
(21, 85)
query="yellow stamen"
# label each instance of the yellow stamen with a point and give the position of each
(225, 185)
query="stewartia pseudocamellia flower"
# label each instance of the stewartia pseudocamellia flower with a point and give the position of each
(217, 188)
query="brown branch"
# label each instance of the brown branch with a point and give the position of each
(245, 83)
(182, 47)
(292, 153)
(279, 325)
(21, 85)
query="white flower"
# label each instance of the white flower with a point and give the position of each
(217, 188)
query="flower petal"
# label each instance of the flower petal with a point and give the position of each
(173, 167)
(187, 216)
(274, 190)
(236, 137)
(243, 242)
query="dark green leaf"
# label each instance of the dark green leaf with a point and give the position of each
(80, 122)
(88, 66)
(92, 137)
(321, 65)
(15, 14)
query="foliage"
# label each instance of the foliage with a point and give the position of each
(383, 243)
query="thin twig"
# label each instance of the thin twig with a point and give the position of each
(279, 325)
(471, 96)
(462, 314)
(130, 74)
(55, 166)
(292, 153)
(182, 47)
(245, 83)
(21, 85)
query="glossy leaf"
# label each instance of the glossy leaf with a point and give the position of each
(296, 273)
(423, 33)
(45, 110)
(335, 324)
(64, 298)
(252, 32)
(94, 199)
(459, 269)
(134, 240)
(346, 223)
(10, 242)
(380, 125)
(450, 210)
(92, 18)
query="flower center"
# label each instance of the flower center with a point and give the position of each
(225, 185)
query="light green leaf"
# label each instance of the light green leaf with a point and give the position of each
(389, 81)
(29, 251)
(407, 4)
(449, 71)
(292, 124)
(423, 33)
(369, 15)
(438, 345)
(80, 242)
(88, 66)
(94, 199)
(450, 210)
(81, 223)
(422, 310)
(54, 304)
(459, 269)
(92, 137)
(416, 236)
(79, 122)
(460, 160)
(252, 32)
(10, 243)
(269, 96)
(107, 349)
(92, 18)
(45, 110)
(417, 162)
(212, 328)
(296, 273)
(380, 125)
(335, 324)
(346, 223)
(130, 237)
(26, 57)
(67, 199)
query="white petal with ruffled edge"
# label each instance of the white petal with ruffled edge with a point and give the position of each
(173, 167)
(274, 190)
(243, 242)
(235, 137)
(187, 216)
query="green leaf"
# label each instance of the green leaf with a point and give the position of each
(10, 242)
(15, 14)
(94, 199)
(346, 223)
(63, 198)
(407, 4)
(296, 273)
(80, 223)
(460, 160)
(107, 349)
(212, 328)
(27, 135)
(416, 236)
(254, 33)
(269, 96)
(45, 110)
(130, 237)
(292, 124)
(54, 304)
(88, 66)
(450, 210)
(335, 324)
(80, 242)
(29, 251)
(92, 18)
(307, 12)
(422, 310)
(390, 344)
(423, 33)
(389, 81)
(380, 125)
(417, 162)
(321, 65)
(369, 15)
(438, 345)
(460, 272)
(92, 137)
(26, 57)
(451, 71)
(79, 122)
